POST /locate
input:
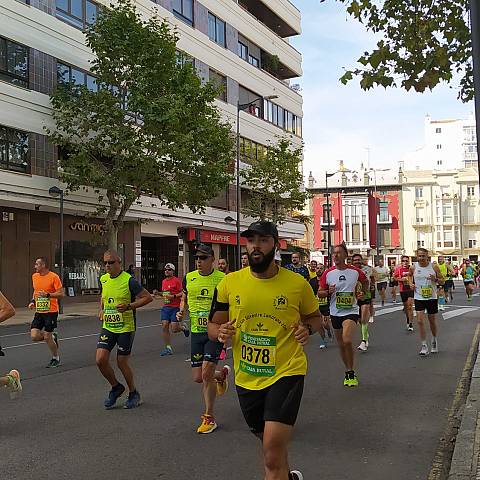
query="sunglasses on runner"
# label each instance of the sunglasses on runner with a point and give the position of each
(109, 262)
(202, 257)
(168, 269)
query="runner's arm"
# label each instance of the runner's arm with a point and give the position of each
(411, 271)
(440, 278)
(141, 299)
(219, 327)
(6, 308)
(313, 322)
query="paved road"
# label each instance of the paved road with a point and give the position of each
(387, 428)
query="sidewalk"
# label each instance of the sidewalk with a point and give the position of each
(466, 456)
(70, 311)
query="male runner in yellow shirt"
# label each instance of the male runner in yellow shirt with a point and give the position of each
(269, 313)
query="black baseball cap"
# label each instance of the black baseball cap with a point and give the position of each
(268, 229)
(203, 249)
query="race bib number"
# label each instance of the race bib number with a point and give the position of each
(42, 304)
(200, 321)
(113, 318)
(166, 299)
(322, 301)
(344, 300)
(426, 291)
(258, 355)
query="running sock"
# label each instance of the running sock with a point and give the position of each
(364, 332)
(424, 342)
(56, 358)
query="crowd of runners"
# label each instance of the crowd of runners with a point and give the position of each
(265, 313)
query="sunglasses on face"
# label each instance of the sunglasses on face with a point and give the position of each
(109, 262)
(168, 269)
(202, 257)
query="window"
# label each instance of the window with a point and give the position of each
(220, 83)
(250, 150)
(216, 29)
(439, 162)
(439, 147)
(469, 134)
(254, 61)
(448, 238)
(13, 62)
(78, 13)
(470, 191)
(326, 210)
(67, 75)
(438, 130)
(472, 243)
(447, 213)
(14, 153)
(242, 51)
(418, 192)
(282, 118)
(469, 151)
(383, 208)
(183, 9)
(419, 215)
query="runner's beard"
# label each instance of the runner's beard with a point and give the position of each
(261, 266)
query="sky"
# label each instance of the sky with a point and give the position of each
(341, 122)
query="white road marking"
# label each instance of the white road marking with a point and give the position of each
(388, 310)
(73, 338)
(457, 313)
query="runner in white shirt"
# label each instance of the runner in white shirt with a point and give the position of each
(381, 274)
(341, 282)
(424, 277)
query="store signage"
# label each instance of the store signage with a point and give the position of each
(226, 238)
(76, 276)
(88, 227)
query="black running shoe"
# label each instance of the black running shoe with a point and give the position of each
(114, 394)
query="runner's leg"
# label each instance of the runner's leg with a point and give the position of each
(276, 436)
(124, 366)
(209, 386)
(103, 364)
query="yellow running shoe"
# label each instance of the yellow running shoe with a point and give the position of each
(353, 380)
(222, 386)
(208, 424)
(15, 386)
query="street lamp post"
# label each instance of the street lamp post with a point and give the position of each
(475, 33)
(58, 192)
(242, 106)
(329, 235)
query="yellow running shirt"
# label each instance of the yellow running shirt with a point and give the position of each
(265, 312)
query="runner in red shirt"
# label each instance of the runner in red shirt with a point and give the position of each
(344, 284)
(171, 295)
(406, 292)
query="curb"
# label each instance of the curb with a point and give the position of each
(465, 463)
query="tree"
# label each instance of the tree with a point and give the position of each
(276, 183)
(423, 43)
(149, 127)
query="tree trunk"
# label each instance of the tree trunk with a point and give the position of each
(112, 236)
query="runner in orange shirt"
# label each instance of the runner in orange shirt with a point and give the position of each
(47, 289)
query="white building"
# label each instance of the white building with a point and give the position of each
(231, 41)
(441, 212)
(449, 144)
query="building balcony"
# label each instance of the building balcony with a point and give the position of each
(471, 222)
(324, 221)
(384, 219)
(422, 223)
(421, 244)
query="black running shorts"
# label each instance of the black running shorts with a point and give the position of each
(47, 321)
(406, 294)
(381, 286)
(203, 349)
(337, 322)
(367, 301)
(279, 402)
(325, 310)
(431, 306)
(124, 341)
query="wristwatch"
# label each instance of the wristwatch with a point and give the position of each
(47, 295)
(309, 328)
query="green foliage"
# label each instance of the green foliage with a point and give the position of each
(151, 128)
(423, 43)
(276, 183)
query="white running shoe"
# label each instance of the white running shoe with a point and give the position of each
(424, 351)
(434, 348)
(363, 346)
(371, 320)
(296, 475)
